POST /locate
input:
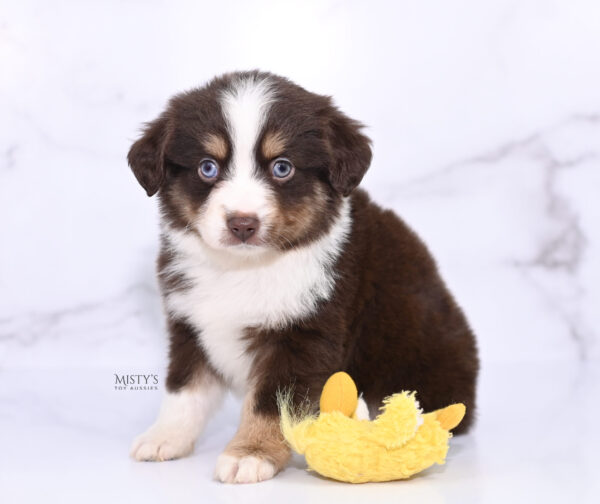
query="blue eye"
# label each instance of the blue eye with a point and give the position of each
(282, 168)
(209, 169)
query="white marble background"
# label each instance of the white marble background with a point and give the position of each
(485, 118)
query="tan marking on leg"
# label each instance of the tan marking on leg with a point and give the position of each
(256, 452)
(273, 145)
(260, 436)
(215, 145)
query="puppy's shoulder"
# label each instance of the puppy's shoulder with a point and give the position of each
(387, 240)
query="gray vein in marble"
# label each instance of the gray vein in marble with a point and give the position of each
(563, 250)
(579, 333)
(9, 157)
(51, 140)
(137, 301)
(509, 149)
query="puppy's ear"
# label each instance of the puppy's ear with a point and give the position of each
(146, 156)
(350, 151)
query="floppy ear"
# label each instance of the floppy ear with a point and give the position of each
(350, 152)
(146, 156)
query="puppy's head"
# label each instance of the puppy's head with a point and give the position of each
(251, 162)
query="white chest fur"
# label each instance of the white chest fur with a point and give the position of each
(223, 300)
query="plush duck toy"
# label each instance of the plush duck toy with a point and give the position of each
(337, 443)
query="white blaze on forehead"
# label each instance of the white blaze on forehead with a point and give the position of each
(245, 104)
(245, 107)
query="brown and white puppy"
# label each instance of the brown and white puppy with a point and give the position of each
(276, 272)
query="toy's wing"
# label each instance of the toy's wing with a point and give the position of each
(450, 416)
(398, 422)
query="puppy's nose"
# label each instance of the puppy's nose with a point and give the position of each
(243, 227)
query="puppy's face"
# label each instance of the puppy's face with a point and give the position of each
(251, 163)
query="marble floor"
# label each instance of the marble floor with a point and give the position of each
(66, 433)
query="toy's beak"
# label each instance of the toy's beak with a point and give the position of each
(450, 416)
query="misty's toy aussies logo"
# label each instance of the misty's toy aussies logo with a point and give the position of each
(136, 381)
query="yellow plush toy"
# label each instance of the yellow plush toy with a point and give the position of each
(400, 442)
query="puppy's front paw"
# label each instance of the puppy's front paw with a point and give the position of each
(161, 443)
(246, 469)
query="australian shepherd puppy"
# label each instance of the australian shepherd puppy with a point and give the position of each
(277, 272)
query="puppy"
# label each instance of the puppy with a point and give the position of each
(276, 271)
